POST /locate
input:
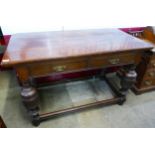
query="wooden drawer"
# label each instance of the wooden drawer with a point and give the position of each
(153, 57)
(151, 64)
(112, 60)
(148, 83)
(150, 74)
(56, 67)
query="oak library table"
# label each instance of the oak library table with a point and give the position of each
(40, 54)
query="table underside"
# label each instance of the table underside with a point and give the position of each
(27, 72)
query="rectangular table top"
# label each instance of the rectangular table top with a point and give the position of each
(31, 47)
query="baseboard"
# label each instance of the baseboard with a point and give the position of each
(139, 91)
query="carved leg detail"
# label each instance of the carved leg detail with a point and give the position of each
(34, 117)
(30, 99)
(128, 78)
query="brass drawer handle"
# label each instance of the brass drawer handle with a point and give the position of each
(153, 64)
(148, 83)
(59, 68)
(152, 74)
(114, 61)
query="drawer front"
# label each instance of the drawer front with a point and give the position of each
(57, 67)
(153, 57)
(151, 64)
(148, 83)
(150, 74)
(112, 60)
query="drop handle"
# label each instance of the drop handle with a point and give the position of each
(152, 74)
(114, 61)
(148, 83)
(153, 64)
(59, 68)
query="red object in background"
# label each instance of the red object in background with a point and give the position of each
(132, 29)
(7, 38)
(1, 57)
(58, 77)
(2, 41)
(65, 76)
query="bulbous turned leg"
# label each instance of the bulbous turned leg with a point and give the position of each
(128, 77)
(127, 81)
(30, 99)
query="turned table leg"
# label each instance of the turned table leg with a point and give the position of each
(2, 124)
(30, 99)
(128, 77)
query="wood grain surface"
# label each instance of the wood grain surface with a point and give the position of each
(32, 47)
